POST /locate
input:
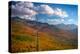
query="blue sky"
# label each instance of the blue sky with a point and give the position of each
(72, 11)
(46, 12)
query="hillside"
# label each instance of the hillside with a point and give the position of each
(24, 36)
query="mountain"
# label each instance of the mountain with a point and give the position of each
(24, 34)
(66, 26)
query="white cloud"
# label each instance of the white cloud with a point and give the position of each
(23, 9)
(28, 17)
(62, 20)
(25, 4)
(27, 10)
(54, 21)
(70, 20)
(59, 12)
(44, 9)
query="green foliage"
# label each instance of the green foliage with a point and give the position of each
(23, 38)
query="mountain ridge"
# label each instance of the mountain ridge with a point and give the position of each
(50, 37)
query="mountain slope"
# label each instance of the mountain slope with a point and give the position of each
(24, 36)
(67, 27)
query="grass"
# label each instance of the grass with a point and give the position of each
(23, 43)
(23, 38)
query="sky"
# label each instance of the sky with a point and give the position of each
(45, 12)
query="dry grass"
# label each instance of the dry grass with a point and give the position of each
(23, 39)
